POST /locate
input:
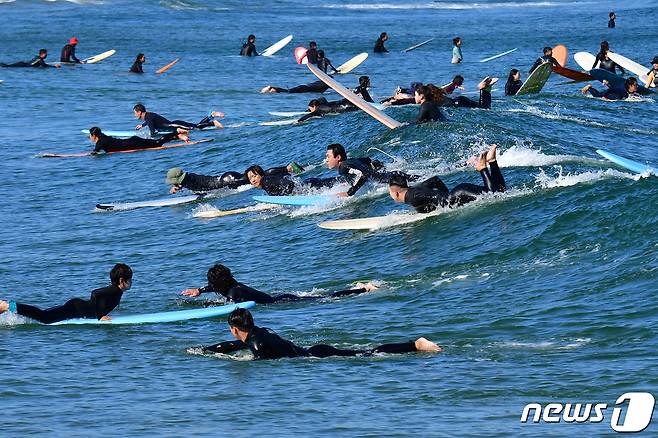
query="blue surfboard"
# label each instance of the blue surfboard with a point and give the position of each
(151, 318)
(631, 165)
(299, 201)
(615, 81)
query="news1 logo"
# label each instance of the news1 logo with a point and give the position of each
(635, 417)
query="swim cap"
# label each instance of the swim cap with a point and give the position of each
(73, 41)
(175, 175)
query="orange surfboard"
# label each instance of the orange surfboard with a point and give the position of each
(89, 154)
(561, 54)
(168, 66)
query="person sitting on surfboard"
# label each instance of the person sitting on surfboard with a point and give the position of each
(37, 61)
(433, 193)
(249, 48)
(221, 281)
(379, 44)
(200, 184)
(604, 62)
(653, 74)
(99, 305)
(457, 50)
(324, 63)
(514, 82)
(548, 57)
(265, 344)
(629, 90)
(137, 65)
(156, 123)
(68, 52)
(105, 143)
(312, 53)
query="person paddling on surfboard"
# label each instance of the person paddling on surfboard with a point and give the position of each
(99, 305)
(37, 61)
(68, 52)
(429, 111)
(221, 281)
(137, 65)
(379, 44)
(249, 48)
(156, 123)
(265, 344)
(455, 85)
(105, 143)
(629, 90)
(514, 82)
(321, 106)
(604, 62)
(548, 57)
(282, 184)
(402, 96)
(433, 193)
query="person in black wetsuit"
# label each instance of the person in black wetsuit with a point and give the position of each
(157, 123)
(464, 102)
(265, 344)
(100, 304)
(200, 184)
(379, 44)
(68, 52)
(321, 106)
(137, 65)
(514, 83)
(548, 57)
(453, 86)
(611, 22)
(37, 61)
(324, 63)
(433, 193)
(282, 184)
(249, 48)
(629, 89)
(604, 62)
(221, 281)
(312, 53)
(429, 108)
(105, 143)
(313, 87)
(653, 74)
(402, 96)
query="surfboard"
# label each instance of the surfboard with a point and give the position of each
(277, 46)
(634, 166)
(536, 80)
(414, 47)
(356, 100)
(637, 69)
(168, 66)
(123, 134)
(561, 54)
(209, 214)
(373, 223)
(89, 154)
(576, 76)
(352, 63)
(161, 317)
(616, 81)
(163, 202)
(491, 58)
(585, 60)
(98, 58)
(297, 201)
(287, 113)
(279, 122)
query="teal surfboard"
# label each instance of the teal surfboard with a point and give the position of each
(634, 166)
(152, 318)
(299, 201)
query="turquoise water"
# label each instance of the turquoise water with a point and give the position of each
(543, 294)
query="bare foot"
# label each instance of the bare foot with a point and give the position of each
(369, 286)
(491, 155)
(267, 89)
(423, 344)
(4, 306)
(184, 137)
(217, 114)
(182, 131)
(482, 162)
(585, 88)
(217, 124)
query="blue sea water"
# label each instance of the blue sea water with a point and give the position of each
(546, 293)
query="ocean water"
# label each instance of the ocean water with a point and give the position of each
(543, 294)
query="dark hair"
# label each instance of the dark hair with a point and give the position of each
(459, 80)
(42, 51)
(139, 56)
(312, 44)
(139, 107)
(314, 102)
(119, 271)
(512, 72)
(604, 47)
(611, 14)
(320, 53)
(254, 169)
(251, 37)
(399, 180)
(95, 131)
(456, 40)
(547, 49)
(220, 277)
(364, 81)
(337, 149)
(424, 91)
(630, 81)
(241, 319)
(383, 35)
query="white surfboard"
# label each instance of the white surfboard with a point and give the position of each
(277, 46)
(287, 113)
(585, 60)
(209, 214)
(356, 100)
(279, 122)
(352, 63)
(491, 58)
(637, 69)
(377, 222)
(99, 57)
(415, 46)
(164, 202)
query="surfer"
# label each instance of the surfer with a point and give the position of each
(321, 106)
(100, 304)
(281, 183)
(266, 344)
(200, 184)
(429, 110)
(548, 57)
(137, 65)
(628, 90)
(433, 193)
(379, 44)
(514, 83)
(68, 52)
(37, 61)
(653, 74)
(221, 281)
(457, 50)
(324, 63)
(611, 22)
(604, 62)
(157, 123)
(313, 87)
(105, 143)
(402, 96)
(312, 53)
(249, 48)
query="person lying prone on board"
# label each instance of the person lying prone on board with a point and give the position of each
(200, 184)
(282, 184)
(433, 193)
(99, 305)
(105, 143)
(156, 123)
(320, 107)
(221, 281)
(37, 61)
(628, 90)
(265, 344)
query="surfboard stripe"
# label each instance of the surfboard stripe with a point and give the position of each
(209, 214)
(297, 201)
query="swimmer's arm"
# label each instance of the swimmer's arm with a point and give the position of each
(226, 347)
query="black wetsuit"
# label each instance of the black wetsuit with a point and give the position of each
(324, 64)
(363, 92)
(157, 123)
(619, 93)
(433, 193)
(326, 107)
(313, 87)
(136, 67)
(36, 62)
(248, 49)
(512, 87)
(465, 102)
(68, 54)
(430, 112)
(202, 183)
(110, 144)
(312, 56)
(611, 23)
(239, 293)
(379, 46)
(607, 64)
(357, 171)
(265, 344)
(102, 302)
(542, 60)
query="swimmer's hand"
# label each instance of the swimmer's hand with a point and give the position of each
(191, 292)
(105, 318)
(342, 194)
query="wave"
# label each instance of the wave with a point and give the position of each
(456, 6)
(566, 180)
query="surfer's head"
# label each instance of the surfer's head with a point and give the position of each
(121, 276)
(612, 15)
(605, 46)
(43, 53)
(255, 175)
(95, 133)
(548, 51)
(631, 85)
(251, 38)
(140, 58)
(335, 154)
(514, 75)
(220, 278)
(313, 105)
(457, 41)
(383, 36)
(241, 323)
(655, 62)
(458, 80)
(320, 54)
(364, 81)
(313, 45)
(397, 187)
(139, 110)
(73, 41)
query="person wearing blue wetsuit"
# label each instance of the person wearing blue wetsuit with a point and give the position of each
(38, 61)
(158, 124)
(616, 93)
(249, 48)
(457, 56)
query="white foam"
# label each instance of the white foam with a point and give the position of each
(520, 156)
(566, 180)
(442, 5)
